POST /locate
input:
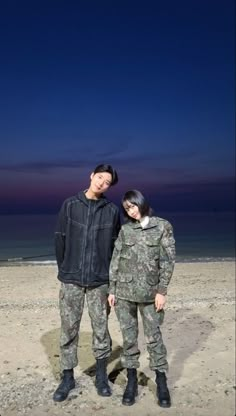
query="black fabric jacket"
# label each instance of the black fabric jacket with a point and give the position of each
(84, 240)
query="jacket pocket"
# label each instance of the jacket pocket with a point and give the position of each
(125, 278)
(153, 279)
(153, 246)
(127, 251)
(126, 261)
(152, 261)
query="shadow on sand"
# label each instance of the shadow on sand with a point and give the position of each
(183, 332)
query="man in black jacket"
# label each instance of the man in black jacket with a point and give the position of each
(88, 225)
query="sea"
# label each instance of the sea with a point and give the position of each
(199, 236)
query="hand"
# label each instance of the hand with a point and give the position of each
(160, 301)
(111, 300)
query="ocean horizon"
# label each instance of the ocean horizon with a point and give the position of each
(200, 236)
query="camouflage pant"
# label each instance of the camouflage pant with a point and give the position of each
(71, 303)
(127, 314)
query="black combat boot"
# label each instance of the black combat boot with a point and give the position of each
(67, 384)
(163, 394)
(131, 390)
(101, 380)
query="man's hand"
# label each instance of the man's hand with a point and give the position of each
(111, 300)
(160, 301)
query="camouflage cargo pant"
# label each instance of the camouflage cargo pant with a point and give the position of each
(127, 314)
(71, 304)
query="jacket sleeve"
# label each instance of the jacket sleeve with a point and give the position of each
(167, 258)
(60, 234)
(114, 265)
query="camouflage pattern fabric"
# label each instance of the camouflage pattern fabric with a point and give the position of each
(127, 314)
(143, 261)
(71, 304)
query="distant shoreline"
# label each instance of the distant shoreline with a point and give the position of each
(199, 237)
(19, 263)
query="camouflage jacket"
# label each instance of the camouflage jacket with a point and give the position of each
(143, 260)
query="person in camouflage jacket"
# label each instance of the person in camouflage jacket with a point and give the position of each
(140, 271)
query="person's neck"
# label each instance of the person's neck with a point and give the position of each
(91, 195)
(144, 221)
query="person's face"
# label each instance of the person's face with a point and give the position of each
(100, 182)
(132, 210)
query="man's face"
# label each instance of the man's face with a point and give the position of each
(100, 182)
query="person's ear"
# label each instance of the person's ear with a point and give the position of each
(92, 175)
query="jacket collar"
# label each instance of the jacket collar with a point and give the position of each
(100, 202)
(152, 223)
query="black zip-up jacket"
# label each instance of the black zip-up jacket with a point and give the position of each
(84, 240)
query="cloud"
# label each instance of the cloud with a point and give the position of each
(45, 167)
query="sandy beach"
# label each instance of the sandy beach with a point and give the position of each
(199, 332)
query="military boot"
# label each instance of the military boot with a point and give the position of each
(163, 394)
(101, 380)
(67, 384)
(131, 390)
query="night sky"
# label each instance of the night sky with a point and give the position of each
(147, 86)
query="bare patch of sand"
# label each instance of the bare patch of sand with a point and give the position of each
(199, 333)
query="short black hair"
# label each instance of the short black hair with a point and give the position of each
(108, 169)
(136, 198)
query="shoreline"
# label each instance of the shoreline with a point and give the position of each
(18, 262)
(198, 331)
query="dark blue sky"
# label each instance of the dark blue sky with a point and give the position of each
(146, 86)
